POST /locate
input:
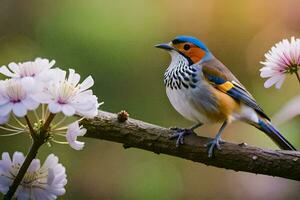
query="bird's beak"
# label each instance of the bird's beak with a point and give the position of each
(165, 46)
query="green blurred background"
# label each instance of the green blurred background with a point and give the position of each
(113, 41)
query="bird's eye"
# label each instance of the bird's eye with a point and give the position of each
(186, 47)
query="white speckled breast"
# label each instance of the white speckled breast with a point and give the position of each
(187, 92)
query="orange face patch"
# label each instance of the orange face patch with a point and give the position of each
(190, 50)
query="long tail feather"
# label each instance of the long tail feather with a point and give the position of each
(266, 126)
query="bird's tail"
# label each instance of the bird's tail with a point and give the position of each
(266, 126)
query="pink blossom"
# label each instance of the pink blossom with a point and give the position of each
(282, 59)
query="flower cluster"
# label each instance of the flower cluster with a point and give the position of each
(39, 86)
(34, 83)
(46, 182)
(282, 59)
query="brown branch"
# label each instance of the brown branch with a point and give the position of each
(238, 157)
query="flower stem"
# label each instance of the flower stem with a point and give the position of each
(38, 140)
(298, 77)
(48, 121)
(29, 125)
(30, 156)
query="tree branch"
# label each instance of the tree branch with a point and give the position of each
(238, 157)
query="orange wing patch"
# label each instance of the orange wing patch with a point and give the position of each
(225, 86)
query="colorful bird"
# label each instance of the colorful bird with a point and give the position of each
(203, 90)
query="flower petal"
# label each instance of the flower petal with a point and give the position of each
(30, 103)
(18, 158)
(72, 133)
(34, 165)
(280, 82)
(86, 84)
(42, 97)
(68, 110)
(5, 109)
(73, 78)
(55, 107)
(5, 71)
(4, 119)
(271, 81)
(19, 109)
(14, 67)
(5, 163)
(29, 84)
(50, 162)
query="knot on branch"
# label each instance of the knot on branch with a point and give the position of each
(123, 116)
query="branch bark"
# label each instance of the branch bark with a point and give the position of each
(238, 157)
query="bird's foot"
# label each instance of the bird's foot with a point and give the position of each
(180, 133)
(212, 145)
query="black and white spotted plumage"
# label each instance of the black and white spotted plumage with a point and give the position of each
(181, 76)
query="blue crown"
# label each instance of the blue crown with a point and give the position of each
(193, 40)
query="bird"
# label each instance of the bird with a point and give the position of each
(203, 90)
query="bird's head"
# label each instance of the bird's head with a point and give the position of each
(192, 49)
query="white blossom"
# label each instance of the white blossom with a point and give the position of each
(38, 69)
(16, 95)
(74, 130)
(68, 96)
(46, 182)
(282, 59)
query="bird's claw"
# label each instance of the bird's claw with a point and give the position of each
(212, 145)
(179, 133)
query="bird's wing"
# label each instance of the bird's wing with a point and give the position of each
(222, 79)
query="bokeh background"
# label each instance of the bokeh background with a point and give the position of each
(113, 41)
